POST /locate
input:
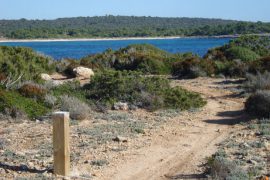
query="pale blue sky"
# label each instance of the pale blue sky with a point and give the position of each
(249, 10)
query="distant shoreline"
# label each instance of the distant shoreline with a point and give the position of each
(120, 38)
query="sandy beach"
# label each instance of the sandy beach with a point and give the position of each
(88, 39)
(113, 39)
(122, 38)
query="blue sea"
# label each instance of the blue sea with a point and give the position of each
(78, 49)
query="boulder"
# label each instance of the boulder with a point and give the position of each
(120, 106)
(46, 77)
(82, 72)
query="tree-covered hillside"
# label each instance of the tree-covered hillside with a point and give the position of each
(125, 26)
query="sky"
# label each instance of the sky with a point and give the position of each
(247, 10)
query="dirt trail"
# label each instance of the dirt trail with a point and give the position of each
(179, 148)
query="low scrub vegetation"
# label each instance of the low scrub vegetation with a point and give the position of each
(258, 104)
(144, 58)
(258, 82)
(32, 90)
(247, 54)
(148, 92)
(16, 61)
(129, 75)
(221, 167)
(77, 109)
(17, 106)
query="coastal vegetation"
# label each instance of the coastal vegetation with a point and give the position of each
(247, 54)
(121, 76)
(136, 77)
(24, 62)
(144, 58)
(126, 26)
(129, 75)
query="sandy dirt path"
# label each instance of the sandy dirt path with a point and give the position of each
(179, 148)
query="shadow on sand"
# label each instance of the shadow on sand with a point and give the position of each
(24, 168)
(187, 176)
(230, 118)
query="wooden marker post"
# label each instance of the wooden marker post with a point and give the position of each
(61, 151)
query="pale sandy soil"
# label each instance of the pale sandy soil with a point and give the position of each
(88, 39)
(179, 148)
(122, 38)
(172, 148)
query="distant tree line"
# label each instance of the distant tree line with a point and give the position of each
(126, 26)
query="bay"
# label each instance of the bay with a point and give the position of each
(78, 49)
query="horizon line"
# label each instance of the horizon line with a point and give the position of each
(51, 19)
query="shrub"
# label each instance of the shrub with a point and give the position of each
(188, 68)
(259, 104)
(50, 100)
(244, 54)
(20, 60)
(246, 48)
(193, 67)
(261, 65)
(13, 103)
(258, 82)
(78, 110)
(32, 90)
(148, 92)
(138, 57)
(221, 168)
(66, 67)
(233, 68)
(70, 88)
(179, 98)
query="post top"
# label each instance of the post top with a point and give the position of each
(60, 113)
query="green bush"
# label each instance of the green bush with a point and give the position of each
(138, 57)
(258, 104)
(179, 98)
(11, 100)
(148, 92)
(15, 61)
(78, 110)
(261, 65)
(258, 82)
(247, 48)
(70, 88)
(188, 68)
(193, 67)
(222, 168)
(241, 53)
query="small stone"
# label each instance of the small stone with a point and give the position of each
(30, 164)
(120, 139)
(252, 162)
(46, 77)
(86, 162)
(133, 107)
(267, 146)
(120, 106)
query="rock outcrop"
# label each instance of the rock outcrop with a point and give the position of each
(46, 77)
(83, 73)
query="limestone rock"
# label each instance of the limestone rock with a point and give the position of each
(46, 77)
(82, 72)
(120, 106)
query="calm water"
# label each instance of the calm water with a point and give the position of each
(78, 49)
